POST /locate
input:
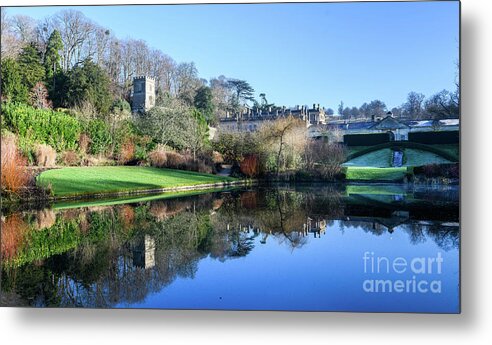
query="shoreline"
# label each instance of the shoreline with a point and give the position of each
(135, 192)
(212, 186)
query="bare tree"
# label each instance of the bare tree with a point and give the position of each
(221, 95)
(413, 108)
(10, 44)
(281, 134)
(187, 82)
(168, 123)
(78, 33)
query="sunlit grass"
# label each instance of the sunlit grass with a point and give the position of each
(375, 174)
(95, 180)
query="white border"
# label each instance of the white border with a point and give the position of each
(473, 326)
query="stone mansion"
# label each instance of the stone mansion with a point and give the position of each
(250, 120)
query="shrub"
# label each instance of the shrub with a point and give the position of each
(325, 159)
(250, 165)
(127, 152)
(233, 146)
(45, 155)
(70, 158)
(39, 97)
(438, 170)
(175, 160)
(84, 142)
(158, 157)
(100, 136)
(203, 167)
(14, 174)
(217, 158)
(57, 129)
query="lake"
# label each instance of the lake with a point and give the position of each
(317, 247)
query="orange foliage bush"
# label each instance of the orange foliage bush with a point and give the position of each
(45, 155)
(175, 160)
(127, 151)
(14, 174)
(250, 165)
(217, 157)
(70, 158)
(158, 158)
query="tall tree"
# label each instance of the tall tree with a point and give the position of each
(78, 34)
(413, 107)
(89, 83)
(278, 135)
(25, 28)
(265, 105)
(187, 82)
(203, 102)
(13, 88)
(197, 132)
(376, 108)
(221, 93)
(340, 108)
(167, 124)
(10, 44)
(243, 92)
(31, 66)
(442, 105)
(52, 59)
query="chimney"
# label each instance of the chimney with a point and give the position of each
(314, 106)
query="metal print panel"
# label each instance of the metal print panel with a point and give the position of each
(282, 156)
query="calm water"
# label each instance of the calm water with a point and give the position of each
(353, 248)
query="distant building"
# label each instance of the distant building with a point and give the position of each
(250, 120)
(397, 128)
(143, 94)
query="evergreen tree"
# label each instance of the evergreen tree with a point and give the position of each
(30, 64)
(13, 89)
(88, 82)
(52, 59)
(203, 102)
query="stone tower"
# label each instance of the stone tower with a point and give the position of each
(143, 94)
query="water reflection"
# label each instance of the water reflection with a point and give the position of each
(192, 252)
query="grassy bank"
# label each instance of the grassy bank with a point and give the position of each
(67, 182)
(375, 174)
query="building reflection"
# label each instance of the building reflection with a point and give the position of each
(144, 253)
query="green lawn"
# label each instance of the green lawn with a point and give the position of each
(379, 174)
(419, 157)
(453, 149)
(380, 159)
(110, 179)
(412, 157)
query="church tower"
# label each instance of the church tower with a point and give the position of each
(143, 94)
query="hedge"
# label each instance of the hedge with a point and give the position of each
(432, 138)
(57, 129)
(403, 145)
(365, 139)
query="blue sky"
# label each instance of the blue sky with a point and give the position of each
(302, 53)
